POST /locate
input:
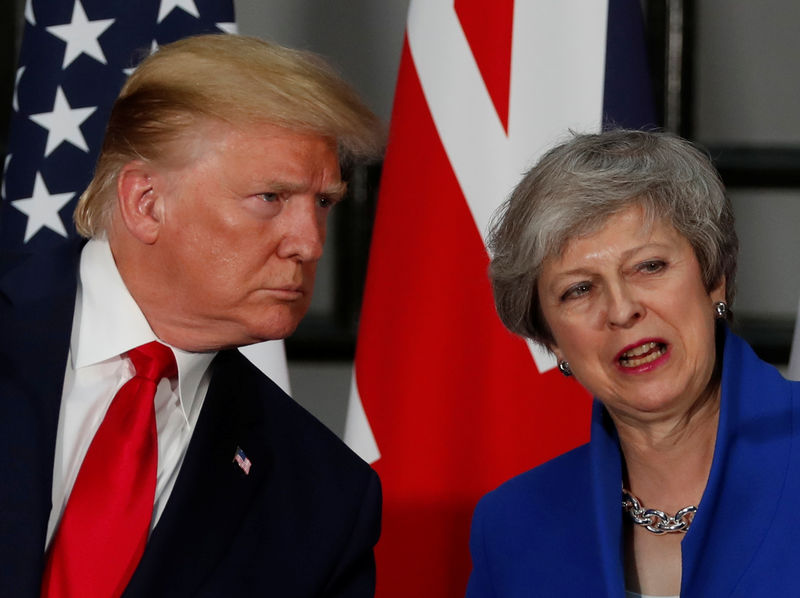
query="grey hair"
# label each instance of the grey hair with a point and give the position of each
(576, 186)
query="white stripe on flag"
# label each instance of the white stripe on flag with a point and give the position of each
(357, 431)
(543, 103)
(270, 358)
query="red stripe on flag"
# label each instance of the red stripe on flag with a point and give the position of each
(454, 400)
(488, 28)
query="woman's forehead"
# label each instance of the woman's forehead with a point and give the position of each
(636, 218)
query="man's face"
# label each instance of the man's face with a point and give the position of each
(242, 230)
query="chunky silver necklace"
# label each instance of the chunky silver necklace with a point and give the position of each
(654, 520)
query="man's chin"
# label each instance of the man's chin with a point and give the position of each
(273, 332)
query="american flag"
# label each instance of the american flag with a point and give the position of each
(74, 58)
(241, 459)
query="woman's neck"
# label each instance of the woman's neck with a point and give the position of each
(667, 462)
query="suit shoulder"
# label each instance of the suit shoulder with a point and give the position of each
(533, 535)
(530, 532)
(549, 484)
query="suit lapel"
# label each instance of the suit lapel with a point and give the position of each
(748, 475)
(606, 471)
(212, 493)
(37, 299)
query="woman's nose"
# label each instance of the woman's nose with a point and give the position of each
(624, 309)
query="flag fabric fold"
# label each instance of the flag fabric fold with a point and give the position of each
(74, 59)
(446, 402)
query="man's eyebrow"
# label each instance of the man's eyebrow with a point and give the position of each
(334, 192)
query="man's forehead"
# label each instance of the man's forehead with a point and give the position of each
(213, 131)
(211, 136)
(279, 159)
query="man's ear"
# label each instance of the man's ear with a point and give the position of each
(139, 201)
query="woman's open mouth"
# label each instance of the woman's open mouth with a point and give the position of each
(642, 354)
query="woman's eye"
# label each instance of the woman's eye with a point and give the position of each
(577, 290)
(652, 266)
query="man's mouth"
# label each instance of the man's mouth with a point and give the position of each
(642, 354)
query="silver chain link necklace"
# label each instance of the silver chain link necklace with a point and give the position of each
(654, 520)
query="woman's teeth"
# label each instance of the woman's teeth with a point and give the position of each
(642, 354)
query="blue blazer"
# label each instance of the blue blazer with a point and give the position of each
(303, 523)
(557, 529)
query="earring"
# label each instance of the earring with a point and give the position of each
(721, 310)
(563, 366)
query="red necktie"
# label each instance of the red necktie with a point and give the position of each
(103, 531)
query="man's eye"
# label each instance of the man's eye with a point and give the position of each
(577, 290)
(268, 197)
(325, 202)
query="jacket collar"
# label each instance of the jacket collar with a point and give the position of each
(606, 468)
(748, 473)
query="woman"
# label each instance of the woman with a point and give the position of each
(617, 251)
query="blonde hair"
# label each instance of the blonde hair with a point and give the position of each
(232, 79)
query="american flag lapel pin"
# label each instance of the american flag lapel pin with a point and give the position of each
(242, 461)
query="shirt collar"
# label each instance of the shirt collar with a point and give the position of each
(108, 322)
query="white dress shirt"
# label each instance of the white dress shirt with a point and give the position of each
(108, 323)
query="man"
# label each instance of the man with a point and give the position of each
(206, 218)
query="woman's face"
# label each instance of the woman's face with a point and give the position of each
(630, 313)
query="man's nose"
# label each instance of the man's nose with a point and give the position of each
(303, 229)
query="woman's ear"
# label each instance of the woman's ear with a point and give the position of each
(553, 348)
(139, 202)
(718, 293)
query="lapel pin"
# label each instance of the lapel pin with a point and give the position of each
(242, 461)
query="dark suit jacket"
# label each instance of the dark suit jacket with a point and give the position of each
(557, 530)
(302, 523)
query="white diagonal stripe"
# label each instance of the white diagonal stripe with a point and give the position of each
(357, 431)
(557, 74)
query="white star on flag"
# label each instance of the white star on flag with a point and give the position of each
(15, 98)
(42, 209)
(29, 12)
(63, 123)
(167, 6)
(81, 35)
